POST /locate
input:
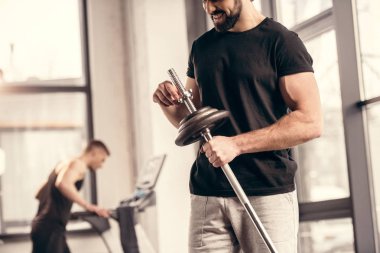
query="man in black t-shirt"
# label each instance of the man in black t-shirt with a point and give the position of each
(262, 74)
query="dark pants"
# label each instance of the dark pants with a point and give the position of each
(48, 237)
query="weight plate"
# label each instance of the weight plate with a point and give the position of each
(193, 125)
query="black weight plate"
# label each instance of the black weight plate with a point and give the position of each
(191, 132)
(196, 117)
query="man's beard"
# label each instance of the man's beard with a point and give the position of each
(229, 21)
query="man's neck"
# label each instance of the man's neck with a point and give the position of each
(249, 18)
(85, 159)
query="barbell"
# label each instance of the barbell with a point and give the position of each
(197, 125)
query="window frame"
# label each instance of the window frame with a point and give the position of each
(342, 18)
(85, 89)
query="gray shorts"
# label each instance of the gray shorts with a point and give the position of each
(221, 225)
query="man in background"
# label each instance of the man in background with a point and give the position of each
(57, 195)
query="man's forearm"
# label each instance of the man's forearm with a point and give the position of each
(293, 129)
(71, 193)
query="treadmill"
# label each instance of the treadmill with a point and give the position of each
(125, 213)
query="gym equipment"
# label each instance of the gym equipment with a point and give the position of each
(192, 126)
(197, 125)
(99, 224)
(125, 213)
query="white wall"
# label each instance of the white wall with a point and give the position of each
(156, 41)
(133, 43)
(168, 48)
(111, 108)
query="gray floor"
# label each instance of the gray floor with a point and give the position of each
(84, 243)
(89, 242)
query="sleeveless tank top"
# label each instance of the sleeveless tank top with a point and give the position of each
(54, 206)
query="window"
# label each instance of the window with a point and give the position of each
(327, 236)
(292, 12)
(40, 42)
(41, 130)
(44, 95)
(369, 17)
(368, 12)
(323, 185)
(323, 168)
(374, 133)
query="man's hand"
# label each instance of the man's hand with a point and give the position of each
(220, 150)
(166, 94)
(98, 210)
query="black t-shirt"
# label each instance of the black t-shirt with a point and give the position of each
(239, 72)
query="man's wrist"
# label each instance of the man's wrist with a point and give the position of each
(237, 144)
(86, 205)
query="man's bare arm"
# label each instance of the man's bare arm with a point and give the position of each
(65, 183)
(303, 123)
(66, 179)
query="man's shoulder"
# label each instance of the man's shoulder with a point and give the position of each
(278, 31)
(274, 29)
(205, 37)
(77, 165)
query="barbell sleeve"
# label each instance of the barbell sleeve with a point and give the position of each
(186, 95)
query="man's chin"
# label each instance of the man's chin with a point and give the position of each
(226, 24)
(219, 25)
(221, 28)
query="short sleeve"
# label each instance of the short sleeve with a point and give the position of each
(190, 66)
(292, 56)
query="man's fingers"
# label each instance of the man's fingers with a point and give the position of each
(217, 164)
(166, 94)
(172, 91)
(102, 212)
(212, 158)
(205, 147)
(159, 98)
(105, 214)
